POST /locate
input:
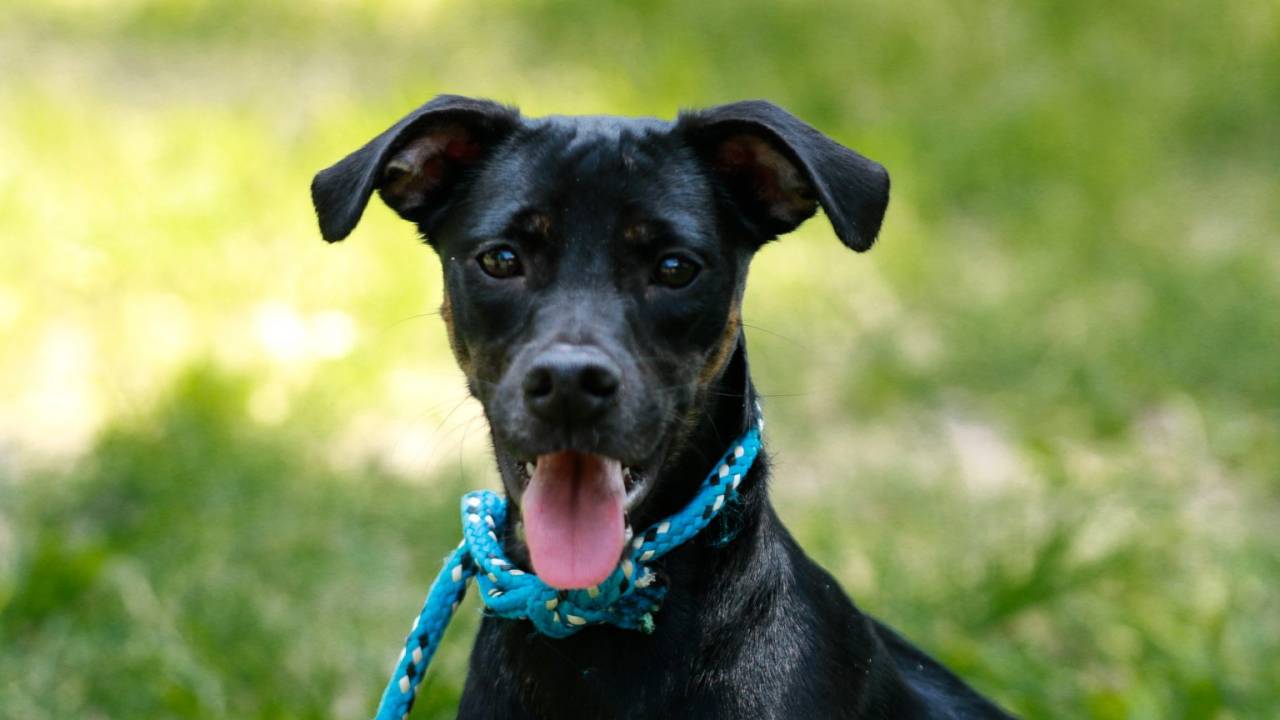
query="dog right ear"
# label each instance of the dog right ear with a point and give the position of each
(776, 169)
(415, 165)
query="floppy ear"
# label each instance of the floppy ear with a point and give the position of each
(776, 169)
(414, 165)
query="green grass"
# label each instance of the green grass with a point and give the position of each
(1037, 428)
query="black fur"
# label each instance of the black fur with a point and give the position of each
(589, 206)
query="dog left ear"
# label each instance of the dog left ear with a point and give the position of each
(415, 165)
(776, 169)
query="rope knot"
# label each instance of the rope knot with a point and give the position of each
(622, 599)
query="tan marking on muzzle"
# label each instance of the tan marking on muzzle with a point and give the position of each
(459, 352)
(715, 364)
(723, 350)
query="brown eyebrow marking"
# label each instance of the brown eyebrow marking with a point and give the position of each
(535, 223)
(638, 232)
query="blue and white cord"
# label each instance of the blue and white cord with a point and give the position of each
(627, 598)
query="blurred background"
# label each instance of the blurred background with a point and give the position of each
(1037, 428)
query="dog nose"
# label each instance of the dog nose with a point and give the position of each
(571, 384)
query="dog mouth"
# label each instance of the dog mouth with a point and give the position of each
(574, 507)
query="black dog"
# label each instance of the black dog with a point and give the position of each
(594, 270)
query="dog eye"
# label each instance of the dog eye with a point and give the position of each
(675, 271)
(500, 262)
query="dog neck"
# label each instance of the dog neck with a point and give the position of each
(712, 585)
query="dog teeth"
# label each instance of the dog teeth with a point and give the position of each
(528, 469)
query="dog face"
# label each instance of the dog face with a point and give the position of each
(594, 270)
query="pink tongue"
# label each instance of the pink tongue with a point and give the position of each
(573, 518)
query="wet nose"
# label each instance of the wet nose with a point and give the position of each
(569, 383)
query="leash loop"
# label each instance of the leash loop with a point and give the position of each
(628, 598)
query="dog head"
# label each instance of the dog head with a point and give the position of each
(594, 270)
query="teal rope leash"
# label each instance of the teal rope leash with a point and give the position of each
(627, 599)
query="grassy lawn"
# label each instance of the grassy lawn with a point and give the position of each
(1037, 428)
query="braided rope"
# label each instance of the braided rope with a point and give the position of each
(626, 599)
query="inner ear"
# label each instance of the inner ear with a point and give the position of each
(418, 175)
(765, 182)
